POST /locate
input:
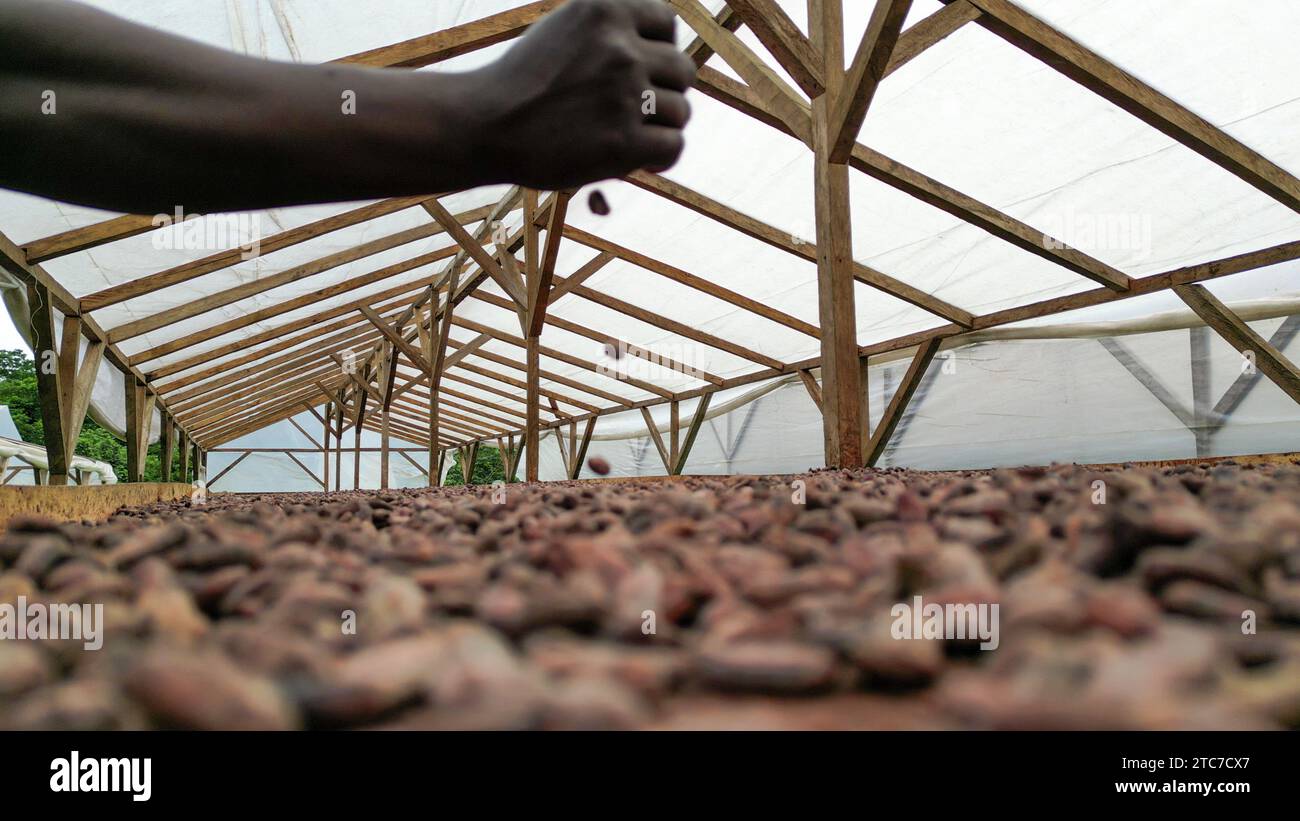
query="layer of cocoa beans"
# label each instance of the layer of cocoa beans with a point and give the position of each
(1129, 598)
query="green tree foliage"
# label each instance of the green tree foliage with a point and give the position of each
(18, 391)
(487, 468)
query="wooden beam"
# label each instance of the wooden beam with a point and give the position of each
(593, 266)
(842, 391)
(253, 317)
(90, 236)
(211, 302)
(774, 91)
(697, 421)
(629, 348)
(281, 336)
(560, 356)
(452, 42)
(658, 440)
(578, 447)
(927, 32)
(50, 393)
(701, 204)
(1268, 360)
(539, 295)
(394, 338)
(1247, 379)
(902, 396)
(928, 190)
(318, 480)
(241, 457)
(225, 259)
(697, 283)
(476, 251)
(673, 326)
(790, 46)
(467, 349)
(864, 75)
(810, 384)
(1111, 82)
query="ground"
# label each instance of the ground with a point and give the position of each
(1126, 598)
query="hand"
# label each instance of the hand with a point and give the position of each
(593, 91)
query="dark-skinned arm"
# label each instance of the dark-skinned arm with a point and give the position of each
(144, 121)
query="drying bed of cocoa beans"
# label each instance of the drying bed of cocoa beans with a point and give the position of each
(1127, 598)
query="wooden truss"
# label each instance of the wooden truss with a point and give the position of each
(388, 361)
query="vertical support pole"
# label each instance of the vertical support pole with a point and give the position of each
(841, 379)
(134, 469)
(383, 451)
(198, 464)
(427, 341)
(674, 425)
(356, 455)
(532, 273)
(165, 451)
(362, 396)
(533, 422)
(338, 451)
(325, 448)
(183, 445)
(49, 391)
(1199, 349)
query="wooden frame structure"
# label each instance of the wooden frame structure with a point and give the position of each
(388, 362)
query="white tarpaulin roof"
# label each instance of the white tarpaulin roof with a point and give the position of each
(972, 112)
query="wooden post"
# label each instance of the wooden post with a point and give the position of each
(1199, 350)
(674, 424)
(47, 381)
(532, 428)
(183, 446)
(427, 347)
(139, 413)
(338, 448)
(356, 456)
(697, 421)
(383, 451)
(532, 424)
(841, 380)
(325, 448)
(165, 447)
(63, 386)
(362, 396)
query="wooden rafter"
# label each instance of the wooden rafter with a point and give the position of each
(864, 75)
(1267, 359)
(1092, 71)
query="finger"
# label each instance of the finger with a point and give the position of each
(658, 147)
(669, 67)
(655, 19)
(670, 108)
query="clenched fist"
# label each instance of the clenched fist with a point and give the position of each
(595, 90)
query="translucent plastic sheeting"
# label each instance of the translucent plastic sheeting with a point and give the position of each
(1074, 401)
(973, 111)
(276, 472)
